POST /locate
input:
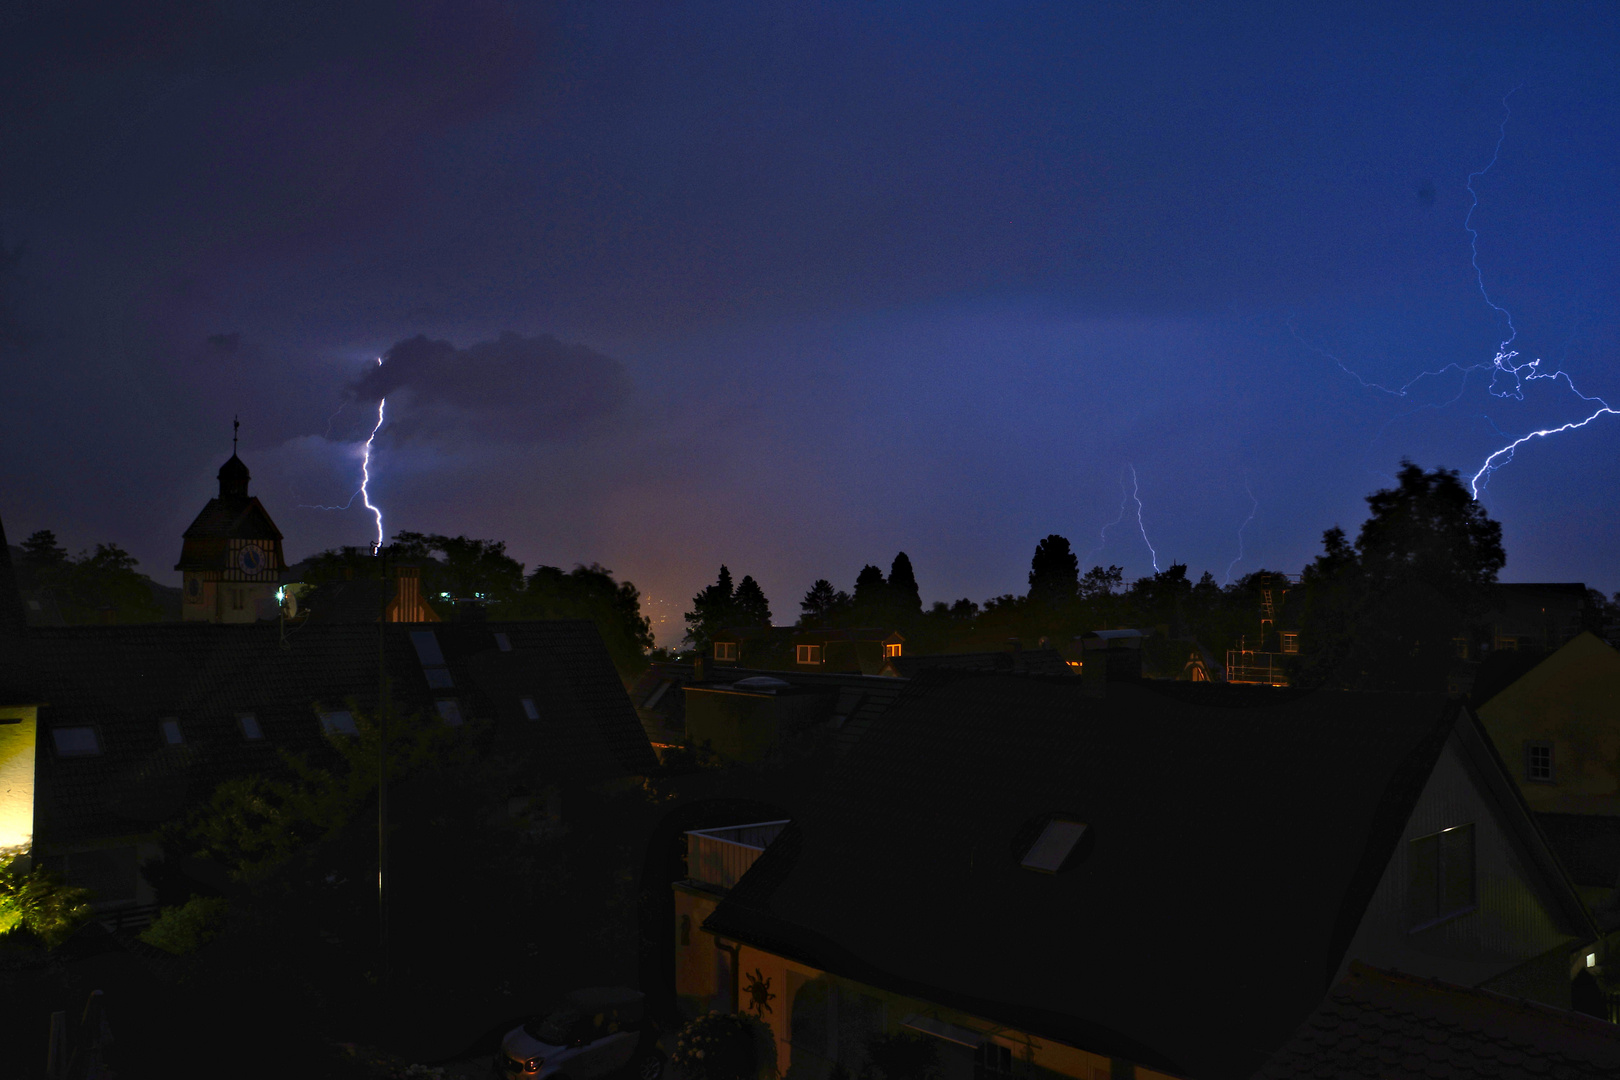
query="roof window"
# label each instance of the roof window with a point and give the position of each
(76, 741)
(432, 659)
(339, 722)
(449, 710)
(170, 726)
(530, 710)
(1061, 843)
(503, 643)
(250, 726)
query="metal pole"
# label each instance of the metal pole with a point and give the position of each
(382, 790)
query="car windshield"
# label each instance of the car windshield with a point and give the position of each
(561, 1028)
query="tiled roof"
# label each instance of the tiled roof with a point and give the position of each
(1382, 1024)
(124, 680)
(1236, 833)
(233, 519)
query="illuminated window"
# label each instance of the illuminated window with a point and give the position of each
(250, 726)
(530, 710)
(1290, 642)
(1440, 876)
(809, 654)
(1538, 762)
(725, 650)
(891, 650)
(340, 722)
(76, 741)
(1507, 644)
(449, 710)
(170, 727)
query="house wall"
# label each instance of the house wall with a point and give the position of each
(19, 731)
(1511, 931)
(819, 1020)
(1572, 700)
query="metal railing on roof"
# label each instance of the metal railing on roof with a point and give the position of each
(718, 858)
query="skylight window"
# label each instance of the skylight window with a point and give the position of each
(1057, 842)
(503, 643)
(432, 659)
(170, 727)
(76, 741)
(339, 722)
(530, 709)
(250, 726)
(449, 710)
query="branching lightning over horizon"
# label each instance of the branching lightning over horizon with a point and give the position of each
(1134, 495)
(1254, 508)
(1507, 378)
(363, 493)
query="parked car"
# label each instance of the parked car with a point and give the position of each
(599, 1032)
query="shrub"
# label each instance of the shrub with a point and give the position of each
(724, 1046)
(901, 1056)
(39, 902)
(185, 929)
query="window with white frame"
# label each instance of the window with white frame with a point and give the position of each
(1538, 762)
(809, 654)
(725, 650)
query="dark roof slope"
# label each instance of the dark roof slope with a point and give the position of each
(1230, 838)
(1393, 1026)
(1009, 662)
(124, 680)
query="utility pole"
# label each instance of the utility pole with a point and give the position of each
(382, 791)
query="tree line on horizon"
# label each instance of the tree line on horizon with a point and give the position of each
(1383, 611)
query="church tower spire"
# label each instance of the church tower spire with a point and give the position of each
(231, 555)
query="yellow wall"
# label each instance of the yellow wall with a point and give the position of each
(695, 974)
(18, 732)
(1571, 699)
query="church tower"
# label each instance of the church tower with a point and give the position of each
(231, 555)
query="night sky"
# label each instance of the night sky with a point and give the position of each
(793, 286)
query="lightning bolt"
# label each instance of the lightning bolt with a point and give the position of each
(363, 493)
(1137, 498)
(365, 476)
(1254, 508)
(1507, 378)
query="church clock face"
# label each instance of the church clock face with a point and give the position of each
(194, 589)
(251, 559)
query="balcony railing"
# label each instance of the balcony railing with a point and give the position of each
(1249, 666)
(719, 857)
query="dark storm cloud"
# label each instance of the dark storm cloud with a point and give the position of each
(530, 389)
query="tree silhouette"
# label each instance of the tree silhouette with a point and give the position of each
(1385, 612)
(1054, 572)
(903, 592)
(711, 610)
(748, 604)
